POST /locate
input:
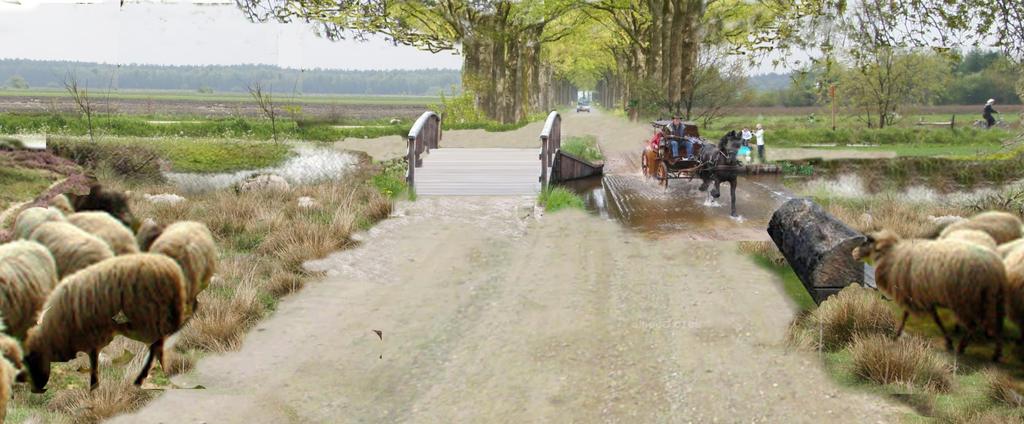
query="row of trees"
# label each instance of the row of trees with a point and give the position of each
(21, 73)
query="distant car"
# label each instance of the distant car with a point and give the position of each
(583, 107)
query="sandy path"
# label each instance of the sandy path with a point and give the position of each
(491, 315)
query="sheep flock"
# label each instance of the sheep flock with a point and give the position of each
(73, 277)
(975, 268)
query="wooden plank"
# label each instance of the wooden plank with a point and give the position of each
(479, 172)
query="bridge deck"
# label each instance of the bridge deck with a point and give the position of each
(479, 172)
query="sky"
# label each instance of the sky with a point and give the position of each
(186, 34)
(211, 32)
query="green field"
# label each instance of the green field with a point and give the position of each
(99, 95)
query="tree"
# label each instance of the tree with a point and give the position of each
(17, 82)
(880, 83)
(265, 101)
(80, 94)
(717, 82)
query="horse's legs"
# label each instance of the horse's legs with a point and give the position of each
(705, 182)
(717, 191)
(732, 195)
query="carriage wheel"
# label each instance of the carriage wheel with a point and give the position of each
(663, 173)
(643, 165)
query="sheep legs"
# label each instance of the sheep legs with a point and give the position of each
(899, 331)
(94, 363)
(155, 349)
(942, 328)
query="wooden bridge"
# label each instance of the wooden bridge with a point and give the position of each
(441, 171)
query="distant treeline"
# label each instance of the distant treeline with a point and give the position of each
(20, 73)
(976, 77)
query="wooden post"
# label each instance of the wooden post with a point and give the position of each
(952, 122)
(411, 160)
(832, 94)
(817, 246)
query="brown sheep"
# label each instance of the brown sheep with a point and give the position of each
(1015, 288)
(148, 232)
(141, 296)
(104, 199)
(921, 275)
(977, 237)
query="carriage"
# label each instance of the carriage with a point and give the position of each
(662, 166)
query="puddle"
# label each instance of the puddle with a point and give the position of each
(310, 164)
(644, 206)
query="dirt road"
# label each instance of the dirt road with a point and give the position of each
(491, 314)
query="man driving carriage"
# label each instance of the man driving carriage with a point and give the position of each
(678, 137)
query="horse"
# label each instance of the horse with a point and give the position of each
(713, 159)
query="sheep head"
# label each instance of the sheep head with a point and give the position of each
(37, 361)
(148, 233)
(875, 245)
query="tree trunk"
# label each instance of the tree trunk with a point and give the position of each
(675, 80)
(817, 246)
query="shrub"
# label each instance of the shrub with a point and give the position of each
(907, 361)
(583, 147)
(391, 180)
(557, 198)
(130, 161)
(851, 313)
(1003, 389)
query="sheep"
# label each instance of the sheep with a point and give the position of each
(141, 296)
(8, 373)
(61, 203)
(30, 219)
(28, 274)
(1005, 249)
(71, 247)
(1002, 226)
(921, 275)
(977, 237)
(102, 225)
(191, 245)
(148, 232)
(104, 199)
(1014, 263)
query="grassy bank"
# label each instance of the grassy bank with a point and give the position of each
(169, 95)
(554, 198)
(229, 128)
(584, 147)
(182, 154)
(263, 238)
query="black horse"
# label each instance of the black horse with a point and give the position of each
(719, 164)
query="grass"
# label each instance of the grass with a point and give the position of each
(391, 180)
(833, 325)
(557, 198)
(21, 184)
(907, 361)
(192, 154)
(263, 237)
(584, 147)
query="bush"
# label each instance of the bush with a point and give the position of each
(851, 313)
(130, 161)
(584, 147)
(1003, 389)
(391, 180)
(557, 198)
(907, 361)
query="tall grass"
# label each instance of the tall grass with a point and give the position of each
(833, 325)
(907, 361)
(557, 198)
(584, 147)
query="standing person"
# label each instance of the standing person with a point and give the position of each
(759, 134)
(746, 135)
(987, 114)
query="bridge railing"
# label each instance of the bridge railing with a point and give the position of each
(550, 142)
(424, 135)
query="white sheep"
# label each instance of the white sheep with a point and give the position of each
(1002, 226)
(107, 228)
(141, 296)
(921, 275)
(30, 219)
(28, 274)
(191, 245)
(977, 237)
(71, 247)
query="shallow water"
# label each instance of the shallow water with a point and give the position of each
(644, 206)
(309, 164)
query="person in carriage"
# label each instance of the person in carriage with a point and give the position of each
(679, 138)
